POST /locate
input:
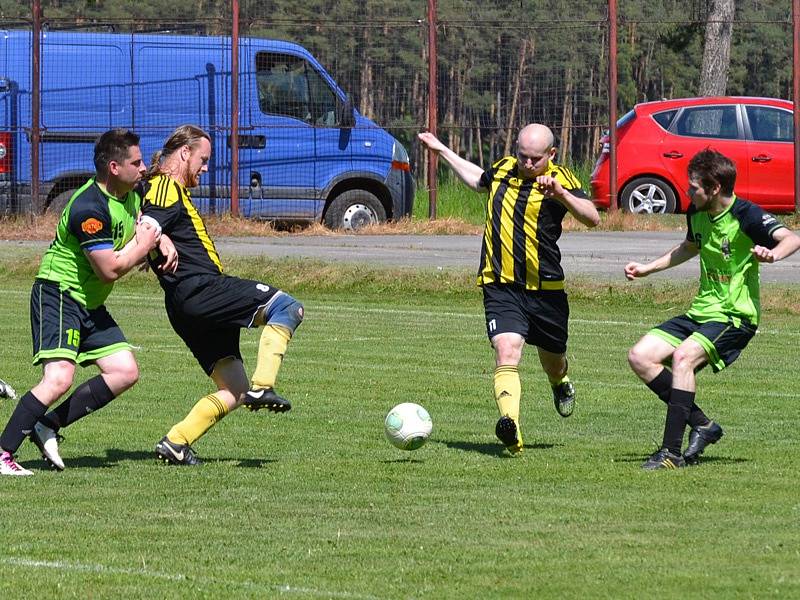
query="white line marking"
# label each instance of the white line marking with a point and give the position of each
(424, 313)
(96, 568)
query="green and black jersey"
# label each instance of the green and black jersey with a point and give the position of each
(169, 203)
(729, 278)
(522, 228)
(92, 220)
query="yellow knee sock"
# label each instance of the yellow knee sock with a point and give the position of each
(200, 419)
(271, 348)
(507, 391)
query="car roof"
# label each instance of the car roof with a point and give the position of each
(659, 105)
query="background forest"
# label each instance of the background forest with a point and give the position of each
(499, 65)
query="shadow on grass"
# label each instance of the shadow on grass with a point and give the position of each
(114, 456)
(492, 449)
(722, 460)
(403, 461)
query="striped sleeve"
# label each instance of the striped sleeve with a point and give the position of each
(162, 201)
(568, 179)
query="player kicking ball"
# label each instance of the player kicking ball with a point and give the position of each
(732, 236)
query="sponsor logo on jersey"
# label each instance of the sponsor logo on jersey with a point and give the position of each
(725, 247)
(261, 287)
(91, 226)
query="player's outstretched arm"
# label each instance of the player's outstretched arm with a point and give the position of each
(466, 171)
(673, 257)
(788, 244)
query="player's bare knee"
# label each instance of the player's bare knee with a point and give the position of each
(129, 375)
(58, 381)
(635, 359)
(682, 360)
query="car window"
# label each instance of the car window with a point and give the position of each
(323, 100)
(708, 121)
(665, 118)
(283, 85)
(770, 124)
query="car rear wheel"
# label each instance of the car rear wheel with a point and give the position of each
(353, 210)
(648, 195)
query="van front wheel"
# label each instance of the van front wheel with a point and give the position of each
(353, 210)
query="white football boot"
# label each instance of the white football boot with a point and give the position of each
(47, 441)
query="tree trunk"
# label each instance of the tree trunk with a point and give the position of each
(566, 119)
(717, 48)
(512, 113)
(366, 87)
(479, 140)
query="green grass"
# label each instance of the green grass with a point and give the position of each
(316, 504)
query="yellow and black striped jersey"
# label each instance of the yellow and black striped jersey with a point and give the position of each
(522, 228)
(169, 203)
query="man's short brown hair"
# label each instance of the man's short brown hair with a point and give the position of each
(113, 145)
(711, 168)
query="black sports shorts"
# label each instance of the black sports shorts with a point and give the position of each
(208, 311)
(63, 328)
(723, 341)
(539, 316)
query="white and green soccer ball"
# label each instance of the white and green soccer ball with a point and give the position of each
(408, 426)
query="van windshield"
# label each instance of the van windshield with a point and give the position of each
(289, 86)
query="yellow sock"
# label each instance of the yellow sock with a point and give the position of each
(554, 384)
(200, 419)
(271, 348)
(507, 391)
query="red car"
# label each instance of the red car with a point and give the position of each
(656, 140)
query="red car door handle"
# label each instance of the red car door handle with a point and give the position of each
(762, 158)
(673, 154)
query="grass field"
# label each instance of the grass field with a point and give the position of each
(316, 504)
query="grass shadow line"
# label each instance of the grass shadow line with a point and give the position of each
(491, 449)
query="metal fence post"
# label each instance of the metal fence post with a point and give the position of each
(796, 98)
(36, 102)
(612, 104)
(432, 106)
(235, 108)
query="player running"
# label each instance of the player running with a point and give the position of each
(732, 236)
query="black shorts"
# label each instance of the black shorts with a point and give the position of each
(65, 329)
(539, 316)
(207, 312)
(722, 341)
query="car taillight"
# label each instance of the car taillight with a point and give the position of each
(605, 147)
(5, 152)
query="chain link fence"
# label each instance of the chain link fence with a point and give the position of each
(301, 67)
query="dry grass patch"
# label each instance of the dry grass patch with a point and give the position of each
(23, 227)
(26, 227)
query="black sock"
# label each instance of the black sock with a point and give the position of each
(697, 418)
(21, 423)
(88, 397)
(661, 386)
(678, 409)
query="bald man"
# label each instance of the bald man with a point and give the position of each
(520, 270)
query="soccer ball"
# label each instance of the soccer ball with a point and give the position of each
(407, 426)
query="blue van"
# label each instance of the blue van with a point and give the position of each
(305, 154)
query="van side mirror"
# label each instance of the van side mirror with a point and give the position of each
(345, 116)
